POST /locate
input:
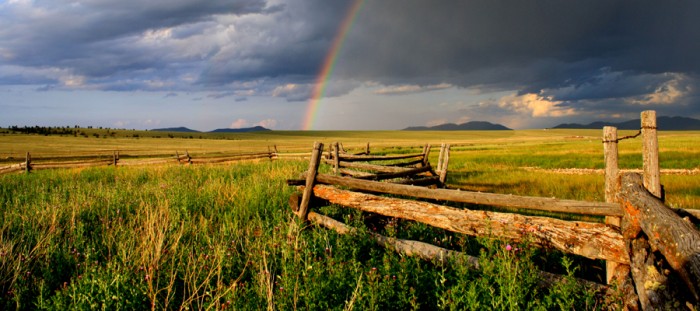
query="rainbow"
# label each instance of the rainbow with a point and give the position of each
(329, 64)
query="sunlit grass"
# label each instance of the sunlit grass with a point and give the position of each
(222, 236)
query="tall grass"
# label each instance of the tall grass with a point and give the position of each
(218, 237)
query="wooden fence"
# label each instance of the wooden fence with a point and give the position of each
(53, 163)
(652, 253)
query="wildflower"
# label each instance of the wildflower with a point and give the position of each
(508, 247)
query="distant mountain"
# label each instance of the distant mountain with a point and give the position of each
(662, 123)
(241, 130)
(469, 126)
(175, 129)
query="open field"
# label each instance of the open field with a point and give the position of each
(222, 236)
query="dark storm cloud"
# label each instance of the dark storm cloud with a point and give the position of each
(589, 55)
(521, 43)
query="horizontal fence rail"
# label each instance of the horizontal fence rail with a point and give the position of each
(591, 240)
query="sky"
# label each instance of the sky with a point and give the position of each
(345, 64)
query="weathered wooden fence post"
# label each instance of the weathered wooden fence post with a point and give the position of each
(189, 159)
(612, 184)
(426, 153)
(443, 166)
(115, 158)
(367, 149)
(28, 163)
(442, 152)
(336, 158)
(177, 157)
(303, 212)
(615, 272)
(650, 153)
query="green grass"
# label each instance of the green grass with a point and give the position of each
(222, 236)
(176, 237)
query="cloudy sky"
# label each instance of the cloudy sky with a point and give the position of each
(239, 63)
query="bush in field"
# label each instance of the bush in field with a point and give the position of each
(222, 237)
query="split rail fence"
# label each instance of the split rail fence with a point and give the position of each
(54, 163)
(652, 251)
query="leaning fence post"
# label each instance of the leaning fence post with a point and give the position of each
(442, 152)
(650, 153)
(310, 180)
(612, 185)
(426, 153)
(367, 150)
(336, 158)
(445, 162)
(189, 158)
(177, 157)
(28, 163)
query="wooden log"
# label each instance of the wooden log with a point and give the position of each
(146, 162)
(625, 288)
(383, 176)
(676, 239)
(591, 240)
(431, 252)
(44, 166)
(12, 168)
(310, 180)
(425, 181)
(653, 286)
(414, 163)
(371, 167)
(411, 248)
(353, 173)
(231, 158)
(505, 200)
(355, 158)
(650, 153)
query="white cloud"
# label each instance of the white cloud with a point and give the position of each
(535, 105)
(267, 123)
(667, 93)
(239, 123)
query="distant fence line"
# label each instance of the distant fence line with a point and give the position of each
(30, 164)
(87, 160)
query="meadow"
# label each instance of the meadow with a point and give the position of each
(223, 236)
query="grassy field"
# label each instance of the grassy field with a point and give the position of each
(223, 237)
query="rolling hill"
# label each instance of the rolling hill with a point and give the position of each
(662, 123)
(469, 126)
